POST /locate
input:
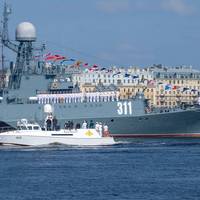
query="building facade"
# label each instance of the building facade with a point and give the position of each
(176, 86)
(162, 86)
(128, 81)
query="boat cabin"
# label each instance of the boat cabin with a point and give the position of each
(23, 124)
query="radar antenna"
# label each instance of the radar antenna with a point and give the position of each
(4, 30)
(25, 35)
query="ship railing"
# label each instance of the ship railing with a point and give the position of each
(6, 128)
(75, 98)
(167, 109)
(62, 100)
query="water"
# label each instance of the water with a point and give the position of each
(149, 169)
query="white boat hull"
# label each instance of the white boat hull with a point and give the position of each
(28, 138)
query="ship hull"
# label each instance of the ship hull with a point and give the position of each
(66, 137)
(185, 123)
(177, 124)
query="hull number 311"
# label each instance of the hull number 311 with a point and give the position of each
(124, 108)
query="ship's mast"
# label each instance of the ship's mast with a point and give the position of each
(4, 36)
(25, 35)
(24, 62)
(2, 57)
(2, 85)
(4, 32)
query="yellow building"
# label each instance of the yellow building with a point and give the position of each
(163, 87)
(128, 91)
(87, 88)
(176, 86)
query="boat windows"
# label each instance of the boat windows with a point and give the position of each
(29, 127)
(36, 128)
(22, 128)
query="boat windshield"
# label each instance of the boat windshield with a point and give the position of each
(21, 128)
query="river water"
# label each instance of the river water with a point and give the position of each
(138, 169)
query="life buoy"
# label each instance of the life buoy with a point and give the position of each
(55, 85)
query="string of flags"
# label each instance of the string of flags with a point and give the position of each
(169, 87)
(49, 57)
(92, 68)
(77, 63)
(87, 67)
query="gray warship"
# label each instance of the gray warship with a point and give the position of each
(32, 85)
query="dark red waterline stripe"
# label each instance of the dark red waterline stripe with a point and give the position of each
(196, 135)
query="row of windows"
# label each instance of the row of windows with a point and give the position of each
(114, 81)
(173, 92)
(129, 90)
(170, 98)
(186, 86)
(86, 78)
(166, 103)
(176, 75)
(149, 90)
(105, 76)
(177, 92)
(180, 81)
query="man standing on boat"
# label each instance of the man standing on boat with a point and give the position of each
(48, 123)
(54, 121)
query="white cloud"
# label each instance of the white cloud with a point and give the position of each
(181, 7)
(177, 6)
(113, 6)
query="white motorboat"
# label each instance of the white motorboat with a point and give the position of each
(31, 134)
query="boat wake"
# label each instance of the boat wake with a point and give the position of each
(120, 145)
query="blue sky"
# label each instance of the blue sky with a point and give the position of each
(115, 32)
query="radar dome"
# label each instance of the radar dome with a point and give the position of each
(25, 31)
